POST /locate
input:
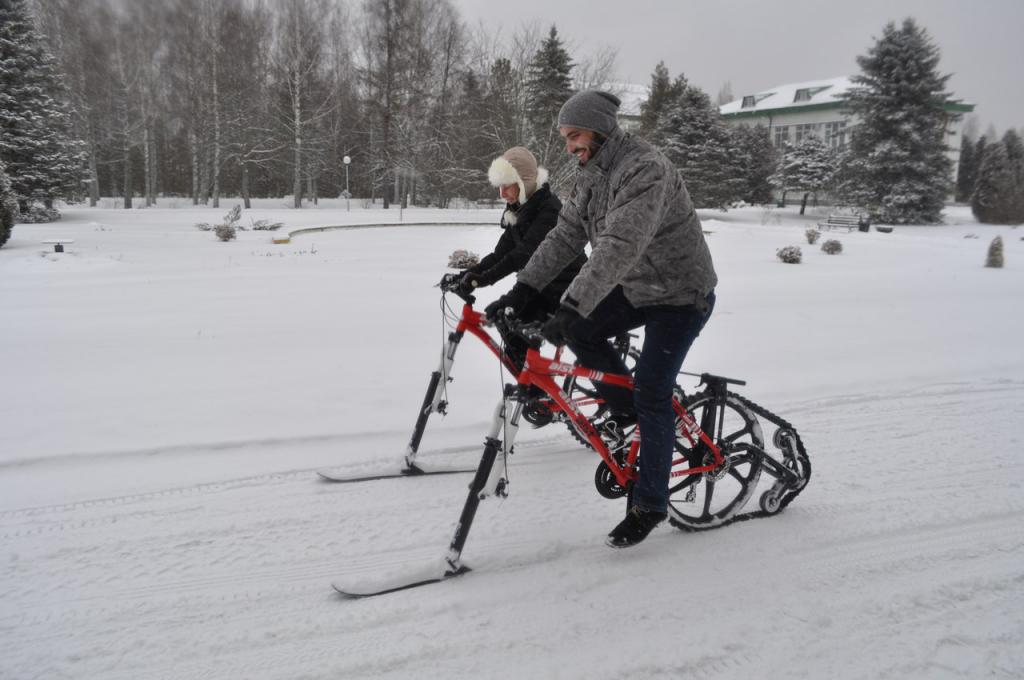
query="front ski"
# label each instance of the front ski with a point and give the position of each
(506, 419)
(408, 471)
(393, 584)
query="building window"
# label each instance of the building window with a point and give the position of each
(835, 134)
(803, 95)
(805, 130)
(781, 135)
(748, 102)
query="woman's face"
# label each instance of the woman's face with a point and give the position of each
(509, 193)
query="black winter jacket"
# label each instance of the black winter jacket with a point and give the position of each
(525, 226)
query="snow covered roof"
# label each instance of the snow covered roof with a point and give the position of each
(811, 93)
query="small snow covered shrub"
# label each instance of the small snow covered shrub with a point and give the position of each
(812, 236)
(995, 253)
(832, 247)
(789, 254)
(463, 259)
(266, 225)
(233, 215)
(225, 232)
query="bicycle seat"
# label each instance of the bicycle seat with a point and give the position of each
(711, 380)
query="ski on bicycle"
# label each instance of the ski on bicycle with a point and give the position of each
(341, 477)
(374, 586)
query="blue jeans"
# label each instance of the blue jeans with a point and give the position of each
(669, 330)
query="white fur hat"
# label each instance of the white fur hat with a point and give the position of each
(518, 166)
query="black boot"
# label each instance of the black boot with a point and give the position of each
(634, 528)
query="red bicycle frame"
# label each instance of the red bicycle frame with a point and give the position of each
(540, 371)
(472, 321)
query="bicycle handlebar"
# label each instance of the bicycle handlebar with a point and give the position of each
(450, 284)
(504, 320)
(530, 332)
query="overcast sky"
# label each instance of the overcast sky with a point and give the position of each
(756, 44)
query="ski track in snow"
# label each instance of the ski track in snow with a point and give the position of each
(911, 526)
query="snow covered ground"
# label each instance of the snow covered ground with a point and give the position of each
(167, 399)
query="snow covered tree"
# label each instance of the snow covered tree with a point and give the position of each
(502, 126)
(43, 160)
(1015, 159)
(548, 85)
(967, 170)
(999, 191)
(808, 167)
(694, 137)
(302, 92)
(79, 33)
(661, 94)
(756, 161)
(896, 167)
(7, 206)
(725, 94)
(245, 70)
(980, 149)
(993, 192)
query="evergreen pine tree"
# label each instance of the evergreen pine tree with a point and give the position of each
(756, 160)
(994, 190)
(7, 206)
(1015, 160)
(808, 167)
(967, 170)
(662, 92)
(548, 85)
(897, 167)
(504, 127)
(694, 137)
(980, 148)
(43, 161)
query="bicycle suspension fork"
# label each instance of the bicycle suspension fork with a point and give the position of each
(433, 399)
(490, 479)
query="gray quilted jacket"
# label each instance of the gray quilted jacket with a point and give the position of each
(630, 203)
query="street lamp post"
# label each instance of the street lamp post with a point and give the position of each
(346, 160)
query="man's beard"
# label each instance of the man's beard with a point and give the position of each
(593, 147)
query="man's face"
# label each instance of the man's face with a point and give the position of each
(579, 143)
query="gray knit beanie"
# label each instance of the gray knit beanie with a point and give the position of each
(590, 110)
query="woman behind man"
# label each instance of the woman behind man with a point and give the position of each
(531, 212)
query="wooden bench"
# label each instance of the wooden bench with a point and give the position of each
(58, 243)
(848, 222)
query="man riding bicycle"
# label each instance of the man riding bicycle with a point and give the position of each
(649, 266)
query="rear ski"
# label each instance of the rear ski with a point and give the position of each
(341, 477)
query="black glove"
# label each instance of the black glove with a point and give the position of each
(470, 281)
(556, 329)
(517, 298)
